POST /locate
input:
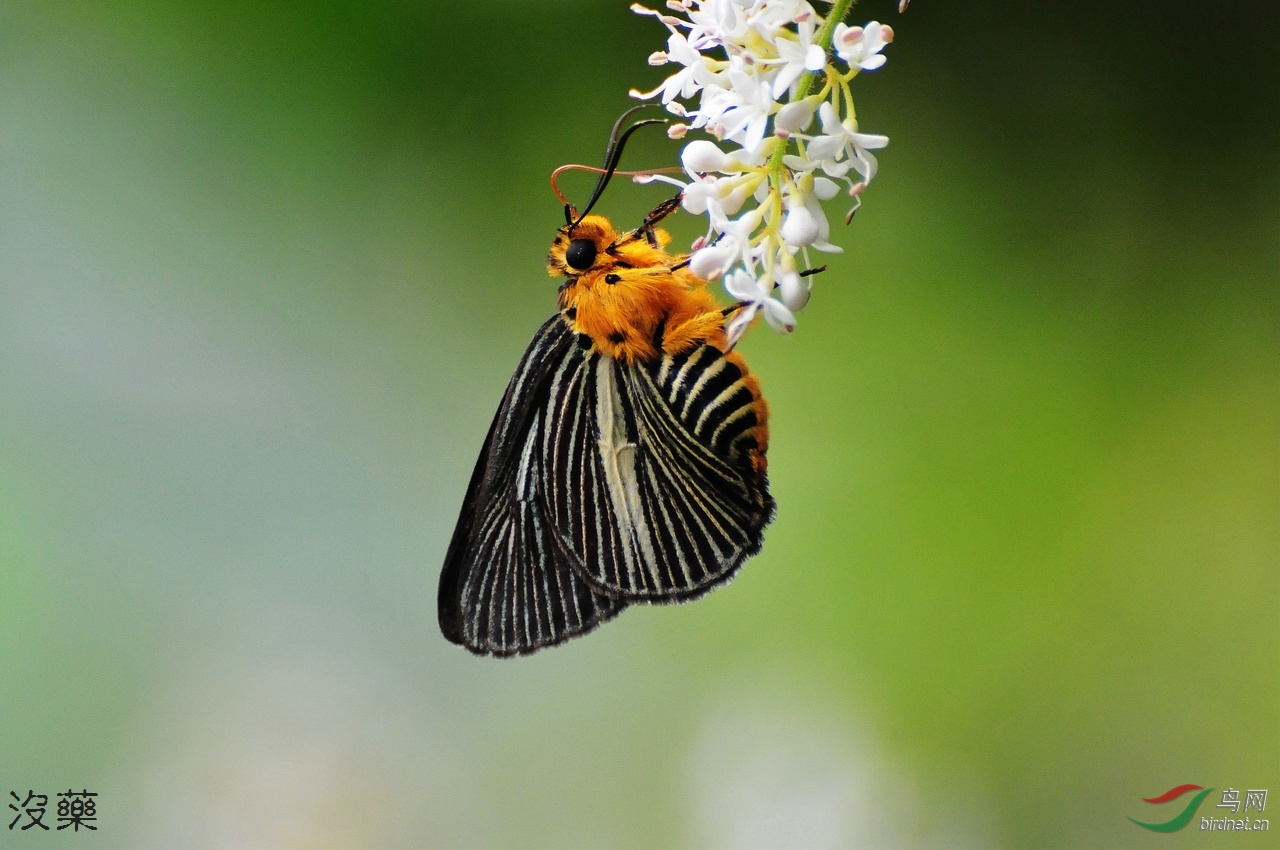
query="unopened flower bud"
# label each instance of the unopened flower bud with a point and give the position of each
(795, 116)
(794, 290)
(702, 156)
(799, 228)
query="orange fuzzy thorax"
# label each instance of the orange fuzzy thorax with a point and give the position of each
(631, 292)
(630, 289)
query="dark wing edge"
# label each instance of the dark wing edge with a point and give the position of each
(507, 588)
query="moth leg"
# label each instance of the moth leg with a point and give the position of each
(659, 212)
(703, 327)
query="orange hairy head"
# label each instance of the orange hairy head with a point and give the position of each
(629, 295)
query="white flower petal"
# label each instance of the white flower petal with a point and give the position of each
(825, 147)
(835, 169)
(743, 287)
(786, 75)
(778, 316)
(695, 198)
(870, 141)
(710, 262)
(865, 164)
(825, 189)
(830, 120)
(737, 326)
(872, 62)
(815, 58)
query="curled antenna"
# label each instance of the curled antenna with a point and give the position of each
(612, 155)
(647, 172)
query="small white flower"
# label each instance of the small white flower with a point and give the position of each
(841, 146)
(732, 247)
(755, 295)
(861, 46)
(698, 73)
(744, 108)
(795, 56)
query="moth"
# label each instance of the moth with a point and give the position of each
(626, 463)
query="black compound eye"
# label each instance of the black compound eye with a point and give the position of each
(580, 254)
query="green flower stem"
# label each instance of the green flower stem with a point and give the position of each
(838, 10)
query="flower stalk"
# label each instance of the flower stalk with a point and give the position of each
(748, 70)
(838, 11)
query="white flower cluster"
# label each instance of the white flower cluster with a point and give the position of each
(747, 67)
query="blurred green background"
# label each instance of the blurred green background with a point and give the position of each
(265, 270)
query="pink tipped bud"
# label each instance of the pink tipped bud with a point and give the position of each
(886, 32)
(658, 57)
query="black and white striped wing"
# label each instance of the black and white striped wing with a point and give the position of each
(653, 491)
(507, 586)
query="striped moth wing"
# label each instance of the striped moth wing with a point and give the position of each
(602, 482)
